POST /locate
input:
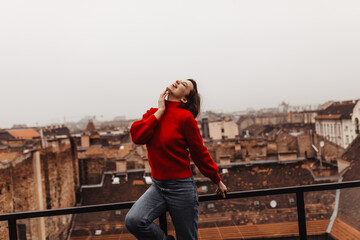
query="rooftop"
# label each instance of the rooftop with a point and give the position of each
(24, 133)
(337, 110)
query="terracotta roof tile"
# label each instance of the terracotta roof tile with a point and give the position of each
(328, 117)
(341, 230)
(24, 133)
(240, 232)
(90, 127)
(11, 156)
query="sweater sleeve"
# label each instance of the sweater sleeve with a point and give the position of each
(142, 130)
(198, 152)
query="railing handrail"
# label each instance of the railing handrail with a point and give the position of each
(202, 198)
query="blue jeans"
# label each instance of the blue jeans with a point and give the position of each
(179, 197)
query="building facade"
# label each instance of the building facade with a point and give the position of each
(339, 122)
(225, 129)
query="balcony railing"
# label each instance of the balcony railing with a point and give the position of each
(298, 190)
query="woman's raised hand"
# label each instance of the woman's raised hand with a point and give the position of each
(161, 103)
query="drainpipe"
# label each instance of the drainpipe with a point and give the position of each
(336, 209)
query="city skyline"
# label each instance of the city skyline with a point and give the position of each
(82, 58)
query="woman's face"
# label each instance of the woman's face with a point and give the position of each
(180, 88)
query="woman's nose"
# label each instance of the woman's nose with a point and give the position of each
(177, 81)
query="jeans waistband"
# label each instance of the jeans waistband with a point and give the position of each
(171, 182)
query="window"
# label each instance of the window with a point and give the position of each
(347, 140)
(204, 189)
(328, 129)
(116, 180)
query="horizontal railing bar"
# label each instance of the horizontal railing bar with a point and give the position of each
(202, 198)
(283, 190)
(65, 211)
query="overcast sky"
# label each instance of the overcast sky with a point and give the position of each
(72, 58)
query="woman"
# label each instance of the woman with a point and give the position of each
(170, 133)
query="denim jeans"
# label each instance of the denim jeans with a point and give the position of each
(179, 197)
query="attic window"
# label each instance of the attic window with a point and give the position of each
(204, 189)
(118, 212)
(291, 201)
(210, 205)
(116, 180)
(224, 170)
(98, 232)
(273, 204)
(256, 203)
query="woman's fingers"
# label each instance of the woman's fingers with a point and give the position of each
(222, 190)
(163, 94)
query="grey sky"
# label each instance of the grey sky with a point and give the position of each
(83, 57)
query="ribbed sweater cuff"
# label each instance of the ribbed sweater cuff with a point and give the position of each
(215, 179)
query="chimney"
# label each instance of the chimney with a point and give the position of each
(225, 160)
(85, 141)
(237, 147)
(121, 165)
(247, 157)
(205, 128)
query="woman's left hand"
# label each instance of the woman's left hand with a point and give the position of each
(221, 189)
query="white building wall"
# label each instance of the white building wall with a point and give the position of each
(347, 132)
(220, 129)
(355, 118)
(231, 129)
(332, 130)
(215, 130)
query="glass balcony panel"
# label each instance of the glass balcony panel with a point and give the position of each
(4, 230)
(101, 225)
(345, 223)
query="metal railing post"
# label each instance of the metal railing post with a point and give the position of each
(163, 223)
(301, 215)
(12, 229)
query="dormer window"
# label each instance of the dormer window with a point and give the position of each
(204, 189)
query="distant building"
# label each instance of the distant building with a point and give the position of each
(339, 122)
(35, 177)
(225, 129)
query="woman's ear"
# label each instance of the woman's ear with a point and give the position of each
(183, 100)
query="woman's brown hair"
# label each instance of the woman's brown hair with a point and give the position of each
(193, 103)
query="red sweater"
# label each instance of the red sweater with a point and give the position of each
(169, 140)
